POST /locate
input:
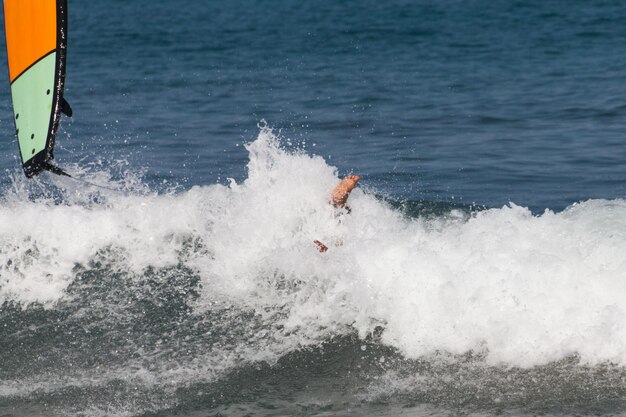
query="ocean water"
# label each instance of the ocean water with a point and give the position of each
(481, 271)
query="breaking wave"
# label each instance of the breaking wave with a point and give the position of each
(163, 289)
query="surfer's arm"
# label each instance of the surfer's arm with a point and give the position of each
(342, 191)
(338, 199)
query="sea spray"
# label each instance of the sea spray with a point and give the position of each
(165, 290)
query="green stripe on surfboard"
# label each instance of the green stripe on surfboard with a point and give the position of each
(32, 94)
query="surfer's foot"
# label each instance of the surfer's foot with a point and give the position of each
(320, 246)
(342, 190)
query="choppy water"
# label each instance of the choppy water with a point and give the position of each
(481, 271)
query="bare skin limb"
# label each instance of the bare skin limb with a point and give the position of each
(338, 199)
(320, 246)
(342, 191)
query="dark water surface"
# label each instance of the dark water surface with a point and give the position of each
(511, 101)
(188, 294)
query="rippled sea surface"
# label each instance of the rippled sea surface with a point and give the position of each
(480, 272)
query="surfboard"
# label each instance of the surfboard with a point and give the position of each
(36, 41)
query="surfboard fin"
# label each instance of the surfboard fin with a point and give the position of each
(66, 109)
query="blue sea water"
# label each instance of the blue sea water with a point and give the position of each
(511, 101)
(490, 141)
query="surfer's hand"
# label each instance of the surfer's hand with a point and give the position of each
(320, 246)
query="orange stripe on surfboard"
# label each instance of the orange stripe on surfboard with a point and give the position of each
(31, 32)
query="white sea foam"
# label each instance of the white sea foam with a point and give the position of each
(526, 289)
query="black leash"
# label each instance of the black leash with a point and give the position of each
(58, 171)
(55, 169)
